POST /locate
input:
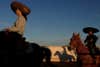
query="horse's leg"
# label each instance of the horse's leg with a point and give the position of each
(37, 58)
(48, 58)
(98, 60)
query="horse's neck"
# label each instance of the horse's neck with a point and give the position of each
(82, 48)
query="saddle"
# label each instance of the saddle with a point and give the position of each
(94, 50)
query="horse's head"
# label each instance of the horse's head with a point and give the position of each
(75, 40)
(57, 53)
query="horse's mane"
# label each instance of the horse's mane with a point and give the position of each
(9, 39)
(7, 34)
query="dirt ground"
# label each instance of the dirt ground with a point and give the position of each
(59, 64)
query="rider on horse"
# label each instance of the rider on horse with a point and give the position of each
(21, 11)
(91, 40)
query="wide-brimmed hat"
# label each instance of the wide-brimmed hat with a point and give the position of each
(23, 8)
(92, 29)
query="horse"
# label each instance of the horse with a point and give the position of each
(84, 58)
(14, 50)
(62, 52)
(66, 56)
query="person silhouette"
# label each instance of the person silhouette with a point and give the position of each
(21, 11)
(91, 40)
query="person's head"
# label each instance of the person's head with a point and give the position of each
(90, 33)
(19, 13)
(20, 9)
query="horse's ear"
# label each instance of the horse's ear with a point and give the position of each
(78, 34)
(74, 34)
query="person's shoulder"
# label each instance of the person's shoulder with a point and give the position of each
(95, 36)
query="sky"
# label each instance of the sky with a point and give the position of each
(52, 22)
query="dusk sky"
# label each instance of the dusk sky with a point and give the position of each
(52, 22)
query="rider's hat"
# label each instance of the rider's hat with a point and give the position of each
(23, 8)
(92, 29)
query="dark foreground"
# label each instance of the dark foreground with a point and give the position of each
(59, 64)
